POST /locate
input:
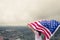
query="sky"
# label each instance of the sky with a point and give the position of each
(21, 12)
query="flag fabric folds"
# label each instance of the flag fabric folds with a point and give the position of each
(46, 27)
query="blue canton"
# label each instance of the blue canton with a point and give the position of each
(51, 25)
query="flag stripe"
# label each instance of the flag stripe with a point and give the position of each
(40, 29)
(43, 28)
(47, 27)
(30, 25)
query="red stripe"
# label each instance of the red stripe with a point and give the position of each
(34, 25)
(43, 33)
(30, 25)
(40, 29)
(43, 28)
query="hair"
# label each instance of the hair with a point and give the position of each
(39, 32)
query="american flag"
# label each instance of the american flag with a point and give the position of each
(47, 27)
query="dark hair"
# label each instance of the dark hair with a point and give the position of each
(39, 32)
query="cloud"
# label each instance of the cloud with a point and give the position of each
(18, 12)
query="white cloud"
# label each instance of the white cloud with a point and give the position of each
(18, 12)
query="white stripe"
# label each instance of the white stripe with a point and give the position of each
(43, 29)
(33, 26)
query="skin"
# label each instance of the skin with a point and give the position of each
(36, 34)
